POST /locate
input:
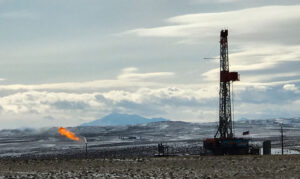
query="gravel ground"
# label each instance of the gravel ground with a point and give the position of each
(287, 166)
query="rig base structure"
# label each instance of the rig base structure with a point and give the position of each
(227, 146)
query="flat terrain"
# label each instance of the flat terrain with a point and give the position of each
(120, 141)
(275, 166)
(127, 152)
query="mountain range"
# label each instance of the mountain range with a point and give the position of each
(117, 119)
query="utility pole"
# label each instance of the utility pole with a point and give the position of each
(281, 140)
(86, 152)
(86, 147)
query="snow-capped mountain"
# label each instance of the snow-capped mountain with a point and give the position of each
(117, 119)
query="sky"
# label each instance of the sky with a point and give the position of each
(64, 63)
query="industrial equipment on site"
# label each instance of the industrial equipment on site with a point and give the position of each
(267, 147)
(224, 141)
(163, 150)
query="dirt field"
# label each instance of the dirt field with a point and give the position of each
(287, 166)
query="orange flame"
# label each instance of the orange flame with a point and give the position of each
(68, 134)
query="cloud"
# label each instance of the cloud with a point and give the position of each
(291, 87)
(246, 25)
(130, 77)
(171, 96)
(261, 46)
(262, 65)
(131, 92)
(262, 56)
(41, 102)
(73, 105)
(132, 74)
(267, 110)
(176, 101)
(260, 43)
(70, 105)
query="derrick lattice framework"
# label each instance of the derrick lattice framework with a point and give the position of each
(225, 121)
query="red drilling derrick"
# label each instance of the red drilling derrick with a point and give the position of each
(224, 141)
(226, 77)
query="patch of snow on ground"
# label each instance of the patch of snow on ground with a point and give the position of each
(277, 151)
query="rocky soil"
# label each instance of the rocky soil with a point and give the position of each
(287, 166)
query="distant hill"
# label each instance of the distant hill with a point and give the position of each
(117, 119)
(275, 121)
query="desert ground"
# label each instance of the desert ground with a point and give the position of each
(273, 166)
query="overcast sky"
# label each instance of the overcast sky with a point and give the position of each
(73, 61)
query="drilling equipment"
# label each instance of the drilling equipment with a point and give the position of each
(224, 142)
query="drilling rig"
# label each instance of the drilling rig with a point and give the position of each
(224, 142)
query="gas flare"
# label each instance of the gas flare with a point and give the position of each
(68, 134)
